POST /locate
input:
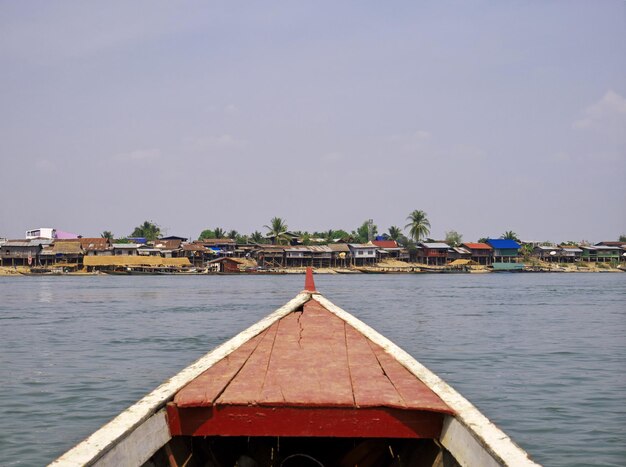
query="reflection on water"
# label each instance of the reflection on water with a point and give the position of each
(543, 355)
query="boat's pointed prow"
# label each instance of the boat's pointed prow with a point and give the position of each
(309, 283)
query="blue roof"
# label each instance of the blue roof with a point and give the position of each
(501, 244)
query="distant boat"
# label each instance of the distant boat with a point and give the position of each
(309, 384)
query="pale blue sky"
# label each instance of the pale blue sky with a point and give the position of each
(488, 115)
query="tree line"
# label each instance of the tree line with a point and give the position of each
(277, 232)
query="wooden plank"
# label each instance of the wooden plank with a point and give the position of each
(205, 389)
(371, 386)
(246, 387)
(311, 422)
(413, 391)
(309, 365)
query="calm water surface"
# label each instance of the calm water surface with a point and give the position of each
(542, 355)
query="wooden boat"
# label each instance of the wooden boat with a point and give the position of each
(309, 384)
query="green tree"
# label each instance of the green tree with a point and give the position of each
(418, 225)
(233, 234)
(256, 237)
(453, 238)
(208, 233)
(219, 233)
(366, 232)
(149, 230)
(483, 240)
(107, 234)
(622, 238)
(395, 233)
(277, 229)
(510, 235)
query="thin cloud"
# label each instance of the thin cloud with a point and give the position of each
(603, 113)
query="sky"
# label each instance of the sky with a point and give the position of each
(488, 115)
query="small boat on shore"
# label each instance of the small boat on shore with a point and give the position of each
(308, 385)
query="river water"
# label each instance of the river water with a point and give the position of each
(542, 355)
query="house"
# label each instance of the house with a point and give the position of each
(125, 249)
(221, 246)
(363, 254)
(435, 253)
(19, 253)
(170, 248)
(96, 246)
(504, 251)
(570, 254)
(230, 265)
(270, 256)
(459, 252)
(197, 253)
(391, 249)
(546, 253)
(340, 254)
(601, 253)
(65, 252)
(480, 253)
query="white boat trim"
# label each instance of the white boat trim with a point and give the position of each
(468, 423)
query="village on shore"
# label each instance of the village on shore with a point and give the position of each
(52, 251)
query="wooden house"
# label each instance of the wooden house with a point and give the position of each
(601, 253)
(340, 255)
(270, 256)
(363, 254)
(550, 254)
(96, 246)
(480, 253)
(125, 249)
(459, 253)
(504, 251)
(435, 253)
(570, 254)
(19, 253)
(391, 249)
(220, 246)
(229, 265)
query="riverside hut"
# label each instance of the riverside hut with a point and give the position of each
(19, 253)
(480, 253)
(504, 251)
(435, 253)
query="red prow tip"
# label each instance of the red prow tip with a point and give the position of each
(309, 283)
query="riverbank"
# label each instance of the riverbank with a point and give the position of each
(384, 267)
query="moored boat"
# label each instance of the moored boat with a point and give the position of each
(309, 384)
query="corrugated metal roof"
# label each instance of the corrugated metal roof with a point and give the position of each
(320, 249)
(436, 245)
(339, 247)
(572, 250)
(502, 243)
(19, 243)
(126, 245)
(361, 245)
(385, 243)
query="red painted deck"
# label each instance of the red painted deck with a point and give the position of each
(309, 374)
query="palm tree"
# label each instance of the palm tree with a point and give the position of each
(394, 233)
(148, 230)
(219, 233)
(418, 226)
(277, 230)
(233, 234)
(107, 234)
(256, 237)
(510, 235)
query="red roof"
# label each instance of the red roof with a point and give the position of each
(385, 243)
(477, 246)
